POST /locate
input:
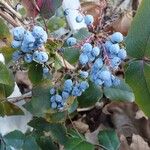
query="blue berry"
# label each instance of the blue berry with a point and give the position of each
(43, 57)
(16, 55)
(39, 34)
(79, 18)
(28, 38)
(53, 99)
(108, 83)
(115, 62)
(99, 82)
(65, 95)
(108, 45)
(28, 58)
(83, 86)
(105, 75)
(90, 57)
(115, 81)
(36, 56)
(122, 54)
(86, 48)
(18, 33)
(98, 64)
(53, 105)
(68, 85)
(71, 41)
(58, 98)
(89, 19)
(83, 59)
(116, 37)
(95, 51)
(16, 44)
(52, 91)
(45, 70)
(84, 74)
(76, 91)
(114, 49)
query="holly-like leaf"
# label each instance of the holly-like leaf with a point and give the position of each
(14, 139)
(35, 73)
(56, 130)
(138, 43)
(71, 54)
(40, 102)
(138, 77)
(55, 23)
(77, 142)
(82, 34)
(121, 92)
(109, 139)
(90, 96)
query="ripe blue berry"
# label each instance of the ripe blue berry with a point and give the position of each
(90, 57)
(95, 51)
(43, 57)
(79, 18)
(122, 54)
(53, 105)
(52, 91)
(108, 45)
(116, 37)
(115, 81)
(115, 62)
(71, 41)
(28, 58)
(18, 33)
(76, 91)
(68, 85)
(114, 49)
(83, 59)
(98, 64)
(108, 83)
(36, 56)
(58, 98)
(89, 19)
(65, 95)
(99, 82)
(16, 44)
(45, 70)
(84, 74)
(83, 86)
(16, 55)
(53, 99)
(87, 48)
(105, 75)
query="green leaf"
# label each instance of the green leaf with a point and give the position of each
(71, 54)
(109, 139)
(138, 77)
(14, 139)
(82, 34)
(4, 30)
(56, 130)
(138, 43)
(55, 23)
(6, 77)
(40, 102)
(90, 96)
(77, 142)
(35, 73)
(121, 92)
(30, 142)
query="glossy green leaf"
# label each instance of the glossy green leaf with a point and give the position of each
(138, 43)
(109, 139)
(40, 102)
(121, 92)
(14, 139)
(30, 142)
(82, 34)
(90, 96)
(56, 130)
(138, 77)
(71, 54)
(35, 73)
(77, 142)
(55, 23)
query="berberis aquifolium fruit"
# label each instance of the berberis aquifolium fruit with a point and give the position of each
(97, 63)
(28, 44)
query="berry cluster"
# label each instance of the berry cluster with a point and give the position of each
(114, 52)
(88, 19)
(28, 44)
(69, 89)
